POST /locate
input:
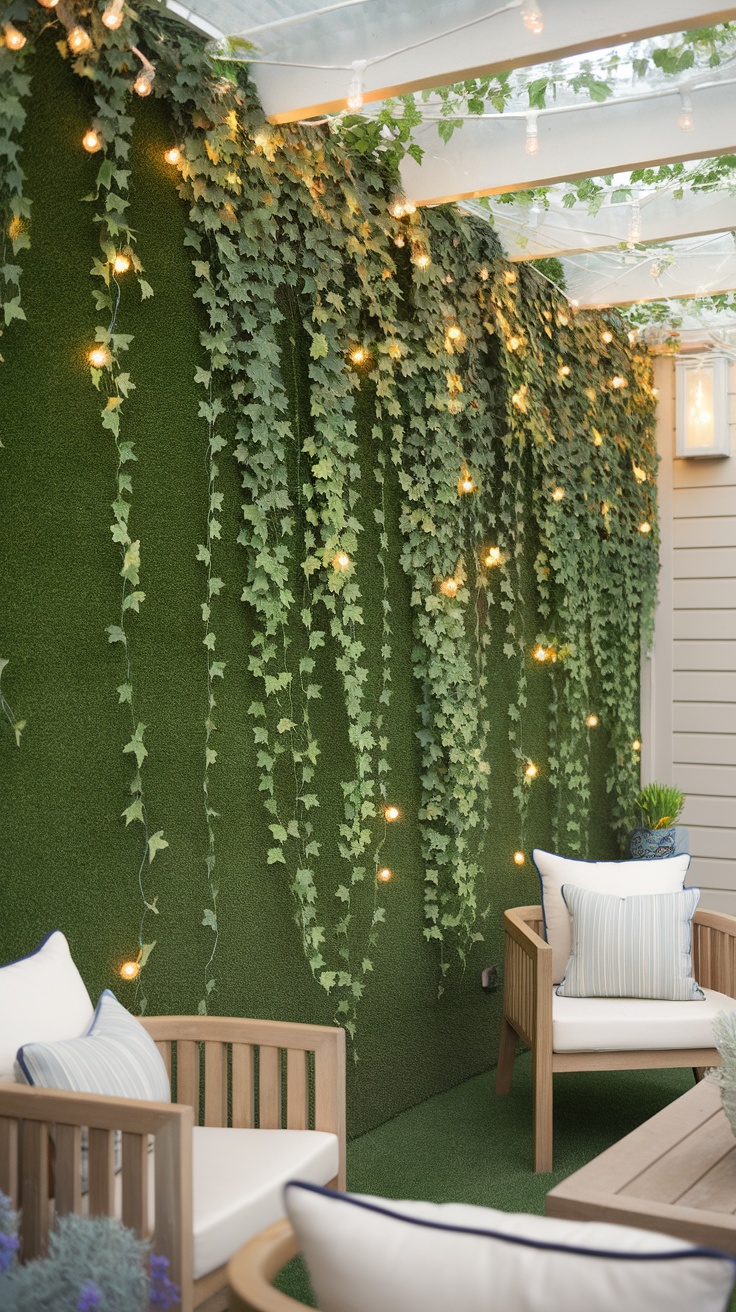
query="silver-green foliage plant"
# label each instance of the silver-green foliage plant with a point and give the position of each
(660, 805)
(93, 1263)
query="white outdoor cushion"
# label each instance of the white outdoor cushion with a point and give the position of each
(365, 1254)
(42, 998)
(620, 878)
(239, 1179)
(634, 1024)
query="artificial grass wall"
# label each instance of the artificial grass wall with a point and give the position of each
(67, 859)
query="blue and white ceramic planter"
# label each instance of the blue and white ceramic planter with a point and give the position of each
(645, 844)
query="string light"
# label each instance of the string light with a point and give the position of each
(91, 141)
(172, 155)
(121, 263)
(607, 337)
(640, 474)
(493, 557)
(48, 4)
(483, 274)
(359, 355)
(645, 527)
(591, 721)
(564, 371)
(391, 812)
(540, 653)
(519, 858)
(420, 258)
(99, 357)
(636, 745)
(531, 17)
(78, 40)
(686, 118)
(449, 587)
(399, 241)
(130, 970)
(143, 85)
(597, 438)
(618, 381)
(112, 16)
(531, 144)
(509, 277)
(397, 207)
(514, 343)
(355, 90)
(531, 771)
(465, 483)
(341, 562)
(14, 39)
(454, 333)
(385, 875)
(558, 494)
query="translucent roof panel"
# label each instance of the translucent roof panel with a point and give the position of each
(699, 266)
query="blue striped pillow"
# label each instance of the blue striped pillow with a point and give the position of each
(631, 947)
(116, 1057)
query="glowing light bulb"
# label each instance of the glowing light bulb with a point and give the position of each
(99, 357)
(385, 875)
(397, 207)
(591, 721)
(597, 438)
(359, 355)
(636, 745)
(483, 274)
(421, 259)
(78, 40)
(509, 277)
(465, 483)
(454, 333)
(514, 343)
(531, 17)
(341, 561)
(558, 494)
(449, 587)
(14, 39)
(355, 90)
(645, 527)
(564, 371)
(618, 381)
(540, 653)
(519, 858)
(172, 155)
(130, 970)
(143, 85)
(409, 207)
(112, 16)
(655, 393)
(531, 143)
(121, 264)
(640, 474)
(91, 141)
(48, 4)
(391, 812)
(531, 771)
(493, 557)
(686, 118)
(607, 337)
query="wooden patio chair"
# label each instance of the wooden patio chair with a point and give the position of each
(528, 1013)
(234, 1073)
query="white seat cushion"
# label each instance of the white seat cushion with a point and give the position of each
(634, 1024)
(239, 1178)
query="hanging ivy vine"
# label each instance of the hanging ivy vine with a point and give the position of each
(512, 426)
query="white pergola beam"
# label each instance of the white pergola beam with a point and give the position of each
(486, 157)
(558, 231)
(494, 44)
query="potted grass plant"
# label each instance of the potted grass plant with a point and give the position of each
(659, 807)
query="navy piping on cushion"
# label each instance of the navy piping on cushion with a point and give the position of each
(28, 955)
(520, 1240)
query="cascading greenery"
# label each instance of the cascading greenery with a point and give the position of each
(512, 425)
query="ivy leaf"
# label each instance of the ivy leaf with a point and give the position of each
(116, 634)
(146, 950)
(328, 979)
(275, 856)
(209, 920)
(156, 843)
(134, 811)
(136, 745)
(284, 725)
(319, 347)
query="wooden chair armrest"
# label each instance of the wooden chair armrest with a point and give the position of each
(714, 951)
(527, 976)
(239, 1029)
(252, 1270)
(59, 1107)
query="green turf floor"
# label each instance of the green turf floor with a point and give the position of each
(470, 1146)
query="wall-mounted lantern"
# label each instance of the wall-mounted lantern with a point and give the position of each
(702, 405)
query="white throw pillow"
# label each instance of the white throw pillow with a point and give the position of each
(620, 878)
(42, 998)
(368, 1253)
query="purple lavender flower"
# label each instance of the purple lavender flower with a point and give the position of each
(90, 1296)
(163, 1293)
(8, 1250)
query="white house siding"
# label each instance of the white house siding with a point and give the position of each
(689, 682)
